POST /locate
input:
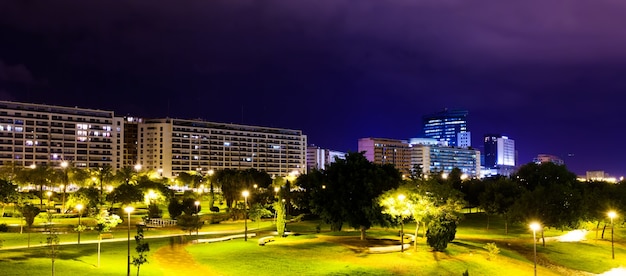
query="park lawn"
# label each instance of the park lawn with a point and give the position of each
(592, 255)
(77, 260)
(319, 255)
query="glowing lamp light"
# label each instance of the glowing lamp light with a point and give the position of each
(535, 226)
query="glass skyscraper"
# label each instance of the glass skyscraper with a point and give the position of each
(448, 126)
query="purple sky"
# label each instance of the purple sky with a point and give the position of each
(550, 74)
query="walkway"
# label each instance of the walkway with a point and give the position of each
(175, 260)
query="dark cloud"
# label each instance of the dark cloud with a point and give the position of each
(542, 71)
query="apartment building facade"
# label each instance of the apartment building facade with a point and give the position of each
(37, 134)
(171, 146)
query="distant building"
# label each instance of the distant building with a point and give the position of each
(172, 146)
(499, 154)
(435, 159)
(387, 151)
(547, 158)
(600, 176)
(319, 158)
(131, 141)
(37, 134)
(449, 126)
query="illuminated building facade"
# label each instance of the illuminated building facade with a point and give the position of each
(47, 135)
(171, 146)
(319, 158)
(387, 151)
(449, 126)
(437, 159)
(499, 154)
(545, 158)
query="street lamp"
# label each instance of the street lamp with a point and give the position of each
(128, 209)
(276, 189)
(535, 226)
(79, 207)
(612, 215)
(197, 203)
(49, 194)
(245, 195)
(401, 197)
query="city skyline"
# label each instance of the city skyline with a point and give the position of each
(547, 74)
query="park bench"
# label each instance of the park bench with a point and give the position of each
(264, 240)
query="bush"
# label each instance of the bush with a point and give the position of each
(154, 211)
(440, 232)
(215, 209)
(492, 249)
(4, 228)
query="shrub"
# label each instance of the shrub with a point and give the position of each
(466, 273)
(215, 209)
(4, 228)
(154, 211)
(492, 250)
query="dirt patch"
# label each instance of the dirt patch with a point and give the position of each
(358, 245)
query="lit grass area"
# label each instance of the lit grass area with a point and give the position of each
(326, 255)
(591, 256)
(77, 260)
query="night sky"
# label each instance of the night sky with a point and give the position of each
(549, 74)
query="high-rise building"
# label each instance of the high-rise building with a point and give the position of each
(387, 151)
(448, 126)
(436, 159)
(319, 158)
(171, 146)
(499, 154)
(47, 135)
(131, 141)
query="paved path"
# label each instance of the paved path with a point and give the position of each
(175, 260)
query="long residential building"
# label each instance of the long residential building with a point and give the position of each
(37, 134)
(387, 151)
(171, 146)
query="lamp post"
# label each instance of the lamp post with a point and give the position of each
(49, 194)
(535, 226)
(79, 207)
(245, 195)
(401, 197)
(64, 165)
(612, 214)
(197, 203)
(276, 189)
(128, 209)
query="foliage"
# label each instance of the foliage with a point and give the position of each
(8, 194)
(174, 208)
(4, 228)
(440, 232)
(39, 176)
(104, 221)
(189, 222)
(279, 206)
(258, 211)
(29, 212)
(215, 209)
(87, 196)
(492, 250)
(125, 194)
(142, 249)
(349, 190)
(189, 206)
(154, 211)
(498, 198)
(154, 191)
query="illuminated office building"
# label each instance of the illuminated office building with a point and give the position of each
(449, 126)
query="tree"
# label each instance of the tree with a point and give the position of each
(103, 174)
(175, 208)
(52, 240)
(29, 212)
(188, 222)
(553, 196)
(498, 198)
(126, 175)
(125, 194)
(142, 249)
(350, 190)
(104, 223)
(192, 179)
(440, 232)
(8, 194)
(39, 175)
(89, 197)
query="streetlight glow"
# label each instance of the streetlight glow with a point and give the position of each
(535, 226)
(612, 215)
(79, 207)
(64, 164)
(138, 167)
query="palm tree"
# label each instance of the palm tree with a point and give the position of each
(103, 174)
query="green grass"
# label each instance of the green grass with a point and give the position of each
(323, 253)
